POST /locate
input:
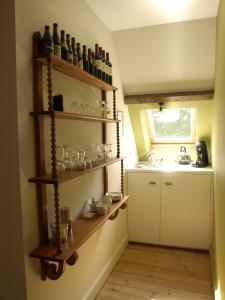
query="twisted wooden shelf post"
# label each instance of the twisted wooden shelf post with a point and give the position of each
(53, 155)
(118, 141)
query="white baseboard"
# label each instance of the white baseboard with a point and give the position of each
(103, 275)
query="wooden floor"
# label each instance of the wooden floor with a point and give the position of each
(157, 273)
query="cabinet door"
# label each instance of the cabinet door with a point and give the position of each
(185, 210)
(144, 207)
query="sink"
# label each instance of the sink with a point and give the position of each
(147, 165)
(164, 166)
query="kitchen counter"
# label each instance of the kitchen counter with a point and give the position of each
(168, 167)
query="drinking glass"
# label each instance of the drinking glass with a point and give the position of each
(68, 162)
(92, 152)
(80, 163)
(109, 151)
(60, 152)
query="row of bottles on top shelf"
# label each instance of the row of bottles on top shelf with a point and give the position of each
(95, 62)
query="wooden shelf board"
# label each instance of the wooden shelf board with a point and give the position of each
(73, 71)
(82, 230)
(73, 116)
(70, 174)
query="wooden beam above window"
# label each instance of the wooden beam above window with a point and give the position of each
(170, 97)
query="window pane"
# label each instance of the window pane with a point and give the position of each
(172, 125)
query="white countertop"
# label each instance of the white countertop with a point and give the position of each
(168, 167)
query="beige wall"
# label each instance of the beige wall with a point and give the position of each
(76, 18)
(218, 247)
(12, 276)
(168, 57)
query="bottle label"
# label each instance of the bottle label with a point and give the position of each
(80, 64)
(48, 48)
(57, 50)
(103, 67)
(74, 59)
(99, 64)
(110, 71)
(106, 69)
(70, 57)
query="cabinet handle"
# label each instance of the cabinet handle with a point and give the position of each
(168, 183)
(152, 182)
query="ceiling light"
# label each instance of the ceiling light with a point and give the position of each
(174, 7)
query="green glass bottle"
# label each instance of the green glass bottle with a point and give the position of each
(64, 48)
(109, 68)
(55, 37)
(47, 43)
(73, 45)
(70, 51)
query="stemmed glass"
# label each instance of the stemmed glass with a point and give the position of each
(60, 155)
(74, 107)
(68, 161)
(80, 164)
(103, 108)
(109, 152)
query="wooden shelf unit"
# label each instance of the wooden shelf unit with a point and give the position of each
(82, 228)
(73, 116)
(70, 70)
(70, 174)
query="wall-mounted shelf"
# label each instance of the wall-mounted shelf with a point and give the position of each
(73, 116)
(70, 174)
(82, 230)
(73, 71)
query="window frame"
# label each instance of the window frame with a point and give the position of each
(193, 127)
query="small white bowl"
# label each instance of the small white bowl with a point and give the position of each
(102, 208)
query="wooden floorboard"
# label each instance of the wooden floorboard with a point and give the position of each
(159, 273)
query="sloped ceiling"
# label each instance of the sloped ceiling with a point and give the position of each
(127, 14)
(175, 51)
(172, 57)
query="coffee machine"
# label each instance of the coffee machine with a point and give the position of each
(202, 155)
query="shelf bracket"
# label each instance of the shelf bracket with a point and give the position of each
(114, 215)
(72, 259)
(124, 205)
(51, 270)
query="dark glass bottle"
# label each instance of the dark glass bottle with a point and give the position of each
(79, 57)
(104, 73)
(47, 43)
(102, 65)
(70, 51)
(74, 51)
(64, 48)
(98, 62)
(55, 37)
(95, 73)
(106, 69)
(109, 68)
(90, 62)
(85, 59)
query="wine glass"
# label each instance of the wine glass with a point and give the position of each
(68, 162)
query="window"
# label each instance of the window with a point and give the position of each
(172, 125)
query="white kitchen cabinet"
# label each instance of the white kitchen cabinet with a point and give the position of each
(170, 208)
(185, 210)
(144, 207)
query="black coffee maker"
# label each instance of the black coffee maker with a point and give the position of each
(202, 155)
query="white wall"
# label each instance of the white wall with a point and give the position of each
(12, 276)
(170, 57)
(76, 18)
